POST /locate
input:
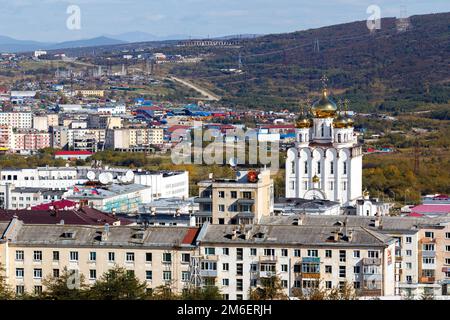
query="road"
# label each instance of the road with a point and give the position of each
(203, 92)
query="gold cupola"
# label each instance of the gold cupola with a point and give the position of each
(324, 107)
(340, 121)
(303, 121)
(315, 179)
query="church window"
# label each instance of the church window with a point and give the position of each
(322, 129)
(345, 167)
(292, 167)
(318, 167)
(306, 167)
(339, 138)
(331, 167)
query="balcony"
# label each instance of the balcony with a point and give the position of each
(430, 254)
(427, 279)
(268, 259)
(372, 276)
(427, 240)
(208, 273)
(244, 201)
(398, 259)
(371, 261)
(210, 257)
(203, 200)
(267, 274)
(310, 275)
(311, 260)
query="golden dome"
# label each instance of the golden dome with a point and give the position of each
(303, 123)
(340, 122)
(350, 122)
(324, 107)
(315, 179)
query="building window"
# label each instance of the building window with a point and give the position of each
(356, 254)
(38, 290)
(345, 167)
(226, 282)
(93, 256)
(313, 253)
(342, 256)
(318, 167)
(356, 269)
(306, 167)
(284, 252)
(130, 257)
(167, 275)
(210, 251)
(292, 185)
(37, 255)
(328, 254)
(429, 234)
(269, 252)
(111, 256)
(342, 273)
(447, 248)
(167, 257)
(55, 273)
(284, 267)
(92, 274)
(239, 269)
(372, 254)
(221, 208)
(19, 255)
(20, 290)
(19, 273)
(148, 275)
(185, 276)
(408, 239)
(239, 285)
(409, 253)
(73, 256)
(225, 267)
(221, 194)
(284, 283)
(253, 267)
(239, 253)
(331, 167)
(409, 265)
(37, 273)
(226, 251)
(233, 194)
(428, 247)
(148, 257)
(328, 284)
(185, 258)
(356, 285)
(328, 269)
(447, 235)
(55, 255)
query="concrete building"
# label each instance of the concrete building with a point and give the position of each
(6, 138)
(135, 139)
(157, 255)
(40, 123)
(326, 162)
(244, 199)
(17, 120)
(237, 258)
(30, 141)
(26, 197)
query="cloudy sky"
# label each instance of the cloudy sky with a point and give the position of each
(46, 20)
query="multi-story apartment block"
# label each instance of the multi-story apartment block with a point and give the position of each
(421, 248)
(58, 137)
(237, 258)
(6, 138)
(17, 120)
(157, 255)
(234, 201)
(135, 139)
(31, 141)
(85, 139)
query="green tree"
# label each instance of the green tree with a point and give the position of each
(118, 284)
(205, 293)
(5, 291)
(65, 287)
(270, 289)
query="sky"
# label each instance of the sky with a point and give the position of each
(46, 20)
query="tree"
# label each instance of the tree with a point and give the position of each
(163, 292)
(270, 289)
(68, 286)
(118, 284)
(5, 291)
(319, 292)
(205, 293)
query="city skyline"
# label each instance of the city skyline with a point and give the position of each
(196, 18)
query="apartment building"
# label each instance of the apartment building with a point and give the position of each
(17, 120)
(6, 138)
(157, 255)
(135, 139)
(85, 139)
(421, 247)
(91, 93)
(244, 199)
(31, 140)
(26, 197)
(237, 258)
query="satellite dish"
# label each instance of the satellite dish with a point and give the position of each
(129, 176)
(232, 162)
(103, 178)
(109, 177)
(91, 175)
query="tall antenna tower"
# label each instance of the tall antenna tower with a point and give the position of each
(316, 46)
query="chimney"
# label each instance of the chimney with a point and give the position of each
(105, 232)
(350, 235)
(378, 222)
(336, 236)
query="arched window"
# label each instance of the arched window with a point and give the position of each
(339, 138)
(300, 137)
(322, 130)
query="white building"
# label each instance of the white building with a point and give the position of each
(327, 160)
(17, 120)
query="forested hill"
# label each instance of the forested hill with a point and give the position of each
(388, 69)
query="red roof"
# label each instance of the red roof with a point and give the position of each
(84, 216)
(190, 236)
(432, 208)
(178, 127)
(277, 126)
(62, 204)
(415, 214)
(72, 153)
